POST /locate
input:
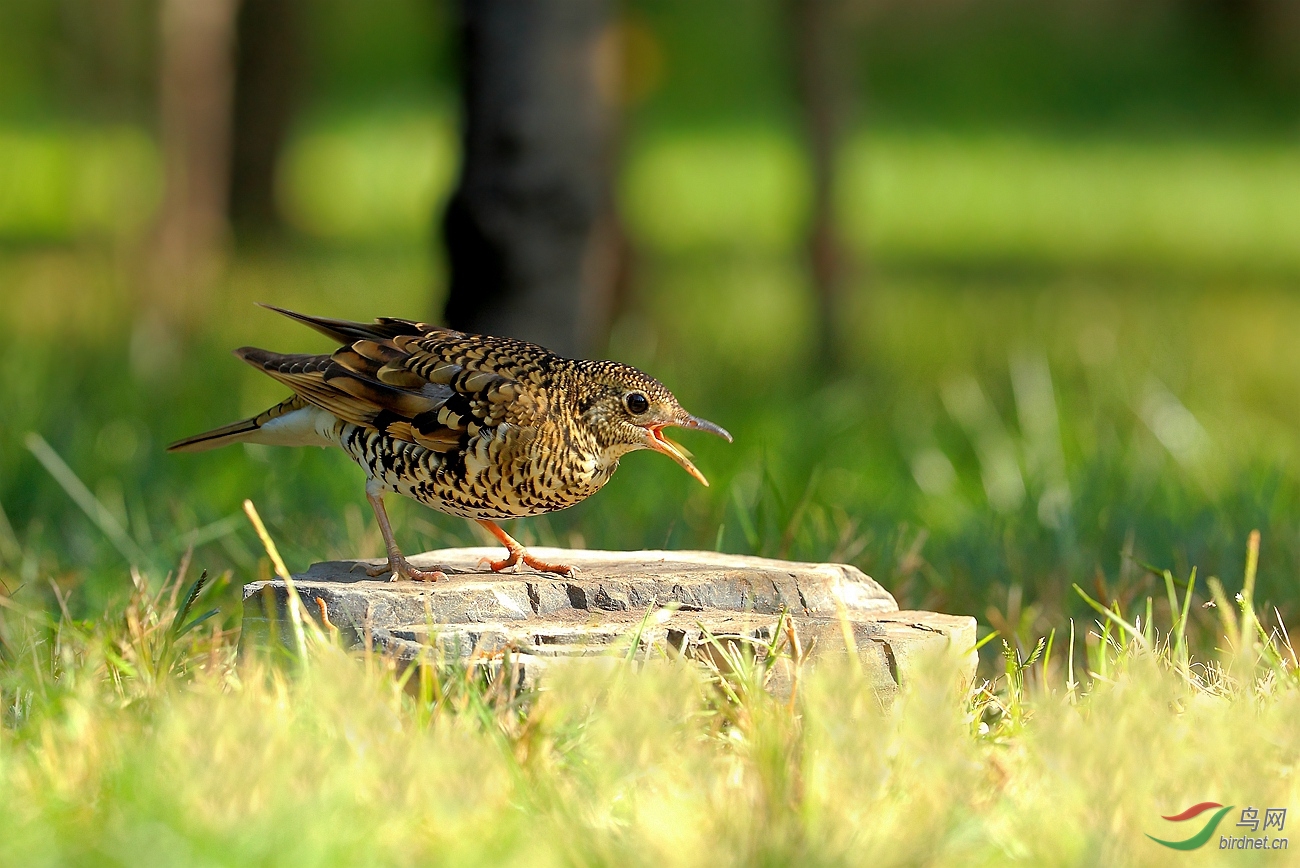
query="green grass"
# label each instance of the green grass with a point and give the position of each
(1001, 200)
(990, 441)
(1035, 397)
(989, 444)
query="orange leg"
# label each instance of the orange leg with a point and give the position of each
(518, 553)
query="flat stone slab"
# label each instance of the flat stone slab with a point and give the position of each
(680, 602)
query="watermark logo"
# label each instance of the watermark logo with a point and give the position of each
(1274, 818)
(1207, 831)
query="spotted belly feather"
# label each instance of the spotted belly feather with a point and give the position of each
(490, 479)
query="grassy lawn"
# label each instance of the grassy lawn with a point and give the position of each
(1066, 361)
(136, 741)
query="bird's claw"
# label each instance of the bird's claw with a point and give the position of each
(518, 555)
(544, 567)
(400, 568)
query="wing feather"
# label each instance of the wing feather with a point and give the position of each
(439, 388)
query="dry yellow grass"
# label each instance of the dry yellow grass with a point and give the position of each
(132, 740)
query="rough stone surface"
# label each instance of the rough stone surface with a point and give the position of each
(673, 602)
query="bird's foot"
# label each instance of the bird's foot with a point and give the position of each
(400, 568)
(544, 567)
(520, 554)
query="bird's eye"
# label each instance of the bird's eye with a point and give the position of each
(636, 403)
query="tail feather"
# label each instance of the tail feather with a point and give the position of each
(287, 369)
(243, 431)
(226, 434)
(346, 332)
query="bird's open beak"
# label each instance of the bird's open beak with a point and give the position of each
(697, 424)
(656, 440)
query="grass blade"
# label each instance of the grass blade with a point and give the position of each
(1115, 619)
(82, 497)
(183, 612)
(197, 621)
(296, 616)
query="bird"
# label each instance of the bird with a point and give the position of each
(485, 428)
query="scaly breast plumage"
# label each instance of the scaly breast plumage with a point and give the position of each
(498, 476)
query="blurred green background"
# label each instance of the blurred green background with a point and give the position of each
(1071, 309)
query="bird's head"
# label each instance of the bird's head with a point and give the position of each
(627, 410)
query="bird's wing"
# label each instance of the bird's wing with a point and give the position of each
(434, 387)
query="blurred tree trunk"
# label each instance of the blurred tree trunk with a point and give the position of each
(267, 71)
(1261, 35)
(532, 248)
(821, 76)
(196, 80)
